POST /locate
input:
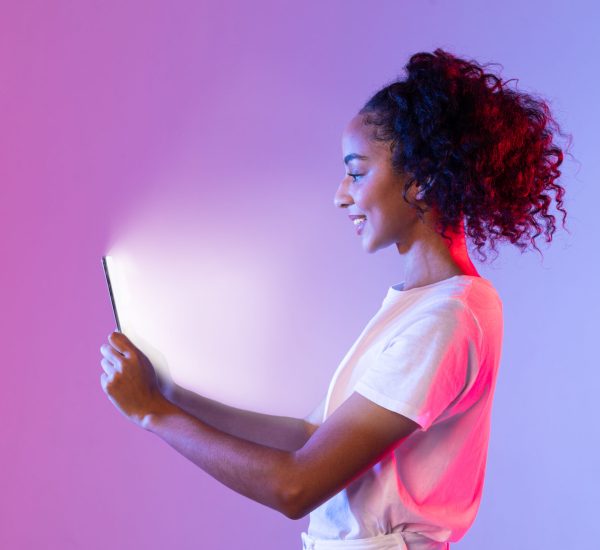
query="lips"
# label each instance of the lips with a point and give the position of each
(359, 222)
(356, 218)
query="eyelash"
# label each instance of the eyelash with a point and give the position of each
(354, 176)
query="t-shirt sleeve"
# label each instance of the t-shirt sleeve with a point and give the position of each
(424, 368)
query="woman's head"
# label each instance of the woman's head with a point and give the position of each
(373, 192)
(476, 151)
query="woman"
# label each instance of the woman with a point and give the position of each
(394, 456)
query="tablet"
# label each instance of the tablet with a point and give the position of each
(106, 264)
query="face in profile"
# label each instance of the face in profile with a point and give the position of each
(372, 190)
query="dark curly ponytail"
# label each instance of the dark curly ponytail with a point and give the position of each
(482, 153)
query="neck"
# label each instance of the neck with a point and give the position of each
(430, 258)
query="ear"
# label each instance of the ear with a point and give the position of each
(423, 188)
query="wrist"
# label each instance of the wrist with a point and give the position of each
(167, 391)
(161, 409)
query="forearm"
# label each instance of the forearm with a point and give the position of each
(256, 471)
(280, 432)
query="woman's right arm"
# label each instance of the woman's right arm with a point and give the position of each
(281, 432)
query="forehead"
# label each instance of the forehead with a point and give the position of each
(357, 138)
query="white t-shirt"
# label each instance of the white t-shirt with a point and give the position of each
(430, 353)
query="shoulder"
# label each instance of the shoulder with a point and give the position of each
(441, 317)
(463, 299)
(446, 308)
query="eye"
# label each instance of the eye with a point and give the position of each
(354, 176)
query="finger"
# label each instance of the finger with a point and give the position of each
(103, 380)
(120, 342)
(111, 353)
(108, 367)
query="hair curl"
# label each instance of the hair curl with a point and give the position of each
(481, 153)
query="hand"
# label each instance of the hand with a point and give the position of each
(166, 384)
(129, 379)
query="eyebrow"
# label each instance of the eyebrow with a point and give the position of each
(353, 156)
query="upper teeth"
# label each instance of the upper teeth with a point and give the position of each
(358, 220)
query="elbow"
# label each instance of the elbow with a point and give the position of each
(295, 516)
(293, 503)
(298, 493)
(293, 511)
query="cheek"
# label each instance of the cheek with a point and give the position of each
(396, 216)
(369, 201)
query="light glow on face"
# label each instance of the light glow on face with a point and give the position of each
(373, 189)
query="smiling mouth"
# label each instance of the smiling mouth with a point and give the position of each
(357, 220)
(359, 224)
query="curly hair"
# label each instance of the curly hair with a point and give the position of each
(481, 153)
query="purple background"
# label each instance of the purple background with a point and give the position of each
(203, 140)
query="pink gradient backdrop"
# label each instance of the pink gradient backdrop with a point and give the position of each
(216, 126)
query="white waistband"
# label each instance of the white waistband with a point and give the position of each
(390, 541)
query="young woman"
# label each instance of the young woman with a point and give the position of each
(394, 456)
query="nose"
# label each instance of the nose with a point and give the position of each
(341, 198)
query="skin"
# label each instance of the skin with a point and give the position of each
(377, 193)
(294, 465)
(357, 435)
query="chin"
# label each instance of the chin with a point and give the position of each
(371, 248)
(372, 245)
